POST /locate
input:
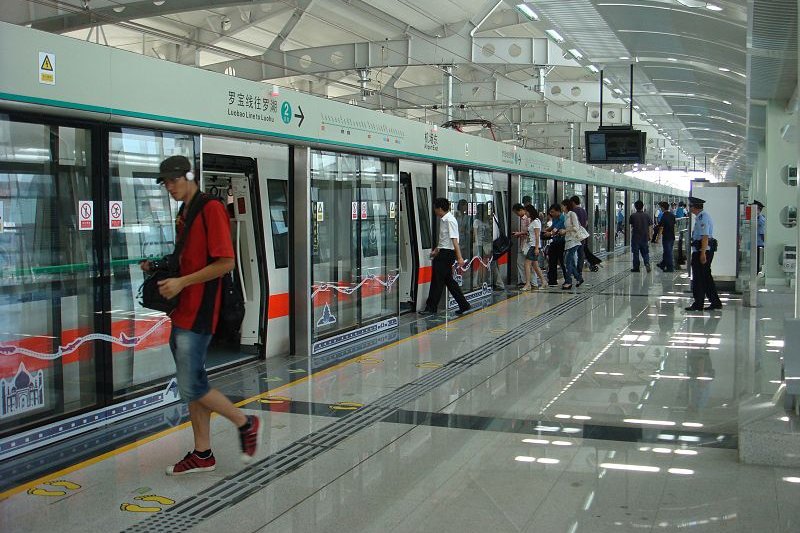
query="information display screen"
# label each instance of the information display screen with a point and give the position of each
(608, 147)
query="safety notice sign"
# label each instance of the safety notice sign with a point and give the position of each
(47, 68)
(391, 210)
(2, 218)
(320, 212)
(85, 215)
(354, 211)
(115, 215)
(363, 210)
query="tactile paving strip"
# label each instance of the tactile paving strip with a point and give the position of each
(236, 487)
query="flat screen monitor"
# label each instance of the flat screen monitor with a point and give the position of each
(610, 147)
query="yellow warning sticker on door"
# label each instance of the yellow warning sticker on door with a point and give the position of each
(47, 68)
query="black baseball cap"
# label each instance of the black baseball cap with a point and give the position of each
(173, 167)
(759, 204)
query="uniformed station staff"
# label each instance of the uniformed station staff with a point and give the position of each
(703, 247)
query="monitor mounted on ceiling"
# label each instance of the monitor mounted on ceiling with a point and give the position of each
(610, 146)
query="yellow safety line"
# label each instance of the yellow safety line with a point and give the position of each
(133, 445)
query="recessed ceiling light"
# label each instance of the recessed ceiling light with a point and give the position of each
(713, 7)
(555, 36)
(593, 68)
(527, 11)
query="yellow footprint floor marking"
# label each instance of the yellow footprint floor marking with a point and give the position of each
(64, 483)
(133, 508)
(61, 483)
(370, 361)
(46, 492)
(429, 364)
(155, 498)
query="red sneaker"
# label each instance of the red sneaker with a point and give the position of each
(249, 439)
(192, 463)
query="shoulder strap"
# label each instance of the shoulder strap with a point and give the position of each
(194, 208)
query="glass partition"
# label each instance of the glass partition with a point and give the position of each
(354, 247)
(600, 227)
(536, 188)
(148, 232)
(621, 218)
(574, 189)
(50, 282)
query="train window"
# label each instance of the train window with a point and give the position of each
(424, 211)
(279, 217)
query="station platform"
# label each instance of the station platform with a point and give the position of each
(604, 409)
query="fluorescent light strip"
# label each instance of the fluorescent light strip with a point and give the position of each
(555, 35)
(649, 422)
(631, 468)
(527, 11)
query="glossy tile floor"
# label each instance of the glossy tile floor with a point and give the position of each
(606, 409)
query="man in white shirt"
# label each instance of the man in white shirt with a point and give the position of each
(446, 253)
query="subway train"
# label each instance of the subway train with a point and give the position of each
(330, 206)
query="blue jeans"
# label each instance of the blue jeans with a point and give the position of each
(668, 261)
(643, 248)
(571, 265)
(189, 351)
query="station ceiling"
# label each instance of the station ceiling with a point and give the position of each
(702, 70)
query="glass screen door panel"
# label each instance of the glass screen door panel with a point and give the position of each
(379, 183)
(49, 280)
(335, 212)
(459, 192)
(536, 188)
(600, 219)
(482, 226)
(620, 219)
(147, 232)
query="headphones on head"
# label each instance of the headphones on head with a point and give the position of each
(190, 176)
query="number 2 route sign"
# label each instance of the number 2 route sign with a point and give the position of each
(85, 215)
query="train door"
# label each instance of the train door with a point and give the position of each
(233, 179)
(409, 258)
(416, 215)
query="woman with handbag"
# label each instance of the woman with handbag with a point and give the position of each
(534, 245)
(574, 235)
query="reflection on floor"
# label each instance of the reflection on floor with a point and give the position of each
(606, 409)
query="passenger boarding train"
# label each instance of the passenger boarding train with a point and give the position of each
(331, 209)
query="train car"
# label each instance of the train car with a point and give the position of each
(331, 219)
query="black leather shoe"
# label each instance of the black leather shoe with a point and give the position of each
(462, 311)
(693, 308)
(426, 312)
(712, 307)
(635, 270)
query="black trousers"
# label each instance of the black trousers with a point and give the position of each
(592, 259)
(443, 276)
(702, 280)
(555, 257)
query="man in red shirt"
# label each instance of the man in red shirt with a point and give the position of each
(207, 255)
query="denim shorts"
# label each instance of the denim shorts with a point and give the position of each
(532, 255)
(189, 351)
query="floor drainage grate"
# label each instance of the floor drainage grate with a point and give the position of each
(237, 487)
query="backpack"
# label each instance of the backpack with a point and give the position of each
(501, 244)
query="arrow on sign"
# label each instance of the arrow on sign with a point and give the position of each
(299, 115)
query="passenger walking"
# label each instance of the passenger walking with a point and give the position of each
(446, 253)
(573, 235)
(703, 247)
(555, 250)
(640, 236)
(681, 211)
(534, 249)
(522, 239)
(206, 255)
(666, 228)
(585, 253)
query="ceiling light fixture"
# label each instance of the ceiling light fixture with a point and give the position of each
(624, 58)
(713, 7)
(671, 59)
(593, 68)
(726, 102)
(555, 36)
(618, 91)
(119, 9)
(159, 2)
(576, 53)
(608, 81)
(723, 69)
(527, 11)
